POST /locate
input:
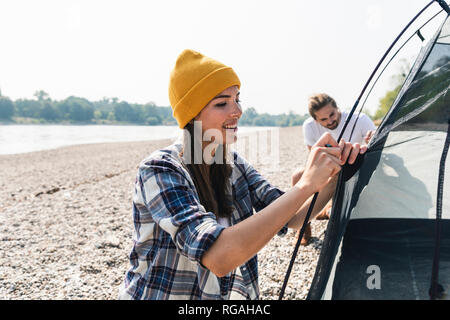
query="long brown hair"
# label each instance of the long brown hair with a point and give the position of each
(212, 181)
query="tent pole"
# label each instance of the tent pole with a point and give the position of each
(444, 5)
(436, 289)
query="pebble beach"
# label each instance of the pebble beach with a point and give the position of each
(66, 221)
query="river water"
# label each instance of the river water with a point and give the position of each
(28, 138)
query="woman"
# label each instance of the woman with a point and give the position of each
(195, 235)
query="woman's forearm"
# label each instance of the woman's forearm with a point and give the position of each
(322, 199)
(237, 244)
(240, 242)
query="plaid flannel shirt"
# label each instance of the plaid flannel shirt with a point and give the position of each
(172, 230)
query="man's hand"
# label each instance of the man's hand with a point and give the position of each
(368, 136)
(326, 158)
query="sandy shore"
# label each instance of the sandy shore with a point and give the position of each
(65, 221)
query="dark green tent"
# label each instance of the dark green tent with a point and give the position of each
(389, 232)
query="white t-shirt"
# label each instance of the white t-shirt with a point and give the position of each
(312, 130)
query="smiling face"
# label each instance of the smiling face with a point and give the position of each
(328, 116)
(219, 118)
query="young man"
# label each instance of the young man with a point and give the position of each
(326, 117)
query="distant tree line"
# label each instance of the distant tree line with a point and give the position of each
(385, 102)
(251, 118)
(73, 109)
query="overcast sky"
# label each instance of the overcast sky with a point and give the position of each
(283, 51)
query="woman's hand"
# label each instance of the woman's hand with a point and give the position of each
(325, 161)
(350, 151)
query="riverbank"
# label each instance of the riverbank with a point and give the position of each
(65, 221)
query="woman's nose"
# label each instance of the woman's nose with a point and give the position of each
(237, 109)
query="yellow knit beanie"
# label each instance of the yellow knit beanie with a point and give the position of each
(196, 80)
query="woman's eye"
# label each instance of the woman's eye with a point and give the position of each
(223, 104)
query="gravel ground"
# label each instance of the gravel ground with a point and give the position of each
(65, 221)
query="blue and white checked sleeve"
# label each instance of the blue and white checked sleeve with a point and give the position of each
(172, 203)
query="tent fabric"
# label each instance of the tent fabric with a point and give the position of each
(404, 182)
(402, 249)
(384, 213)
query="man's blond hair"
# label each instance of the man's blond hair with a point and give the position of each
(318, 101)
